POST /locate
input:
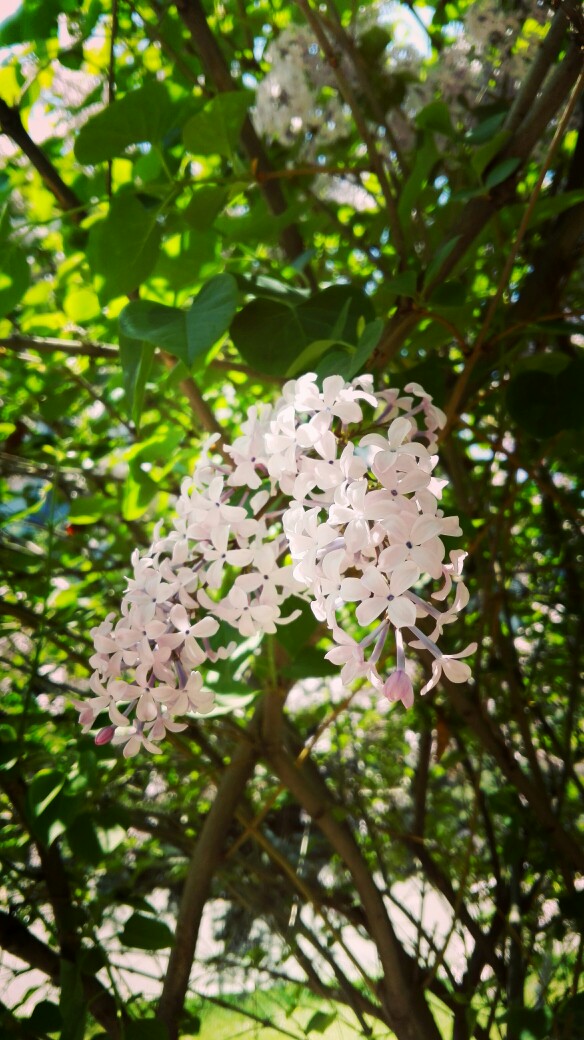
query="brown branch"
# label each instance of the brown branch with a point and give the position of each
(80, 348)
(420, 783)
(16, 939)
(11, 125)
(354, 104)
(347, 44)
(458, 395)
(567, 847)
(199, 406)
(217, 71)
(442, 883)
(407, 1011)
(478, 211)
(204, 862)
(546, 56)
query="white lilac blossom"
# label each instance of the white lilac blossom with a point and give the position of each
(298, 103)
(297, 100)
(355, 528)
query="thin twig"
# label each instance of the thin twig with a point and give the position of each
(111, 82)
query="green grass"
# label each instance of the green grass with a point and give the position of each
(284, 1013)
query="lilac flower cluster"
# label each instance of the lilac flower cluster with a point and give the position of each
(483, 61)
(318, 503)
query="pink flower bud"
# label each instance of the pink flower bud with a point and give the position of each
(105, 735)
(398, 687)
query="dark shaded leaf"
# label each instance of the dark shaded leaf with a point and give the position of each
(146, 933)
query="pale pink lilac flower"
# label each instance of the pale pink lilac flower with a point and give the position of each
(359, 536)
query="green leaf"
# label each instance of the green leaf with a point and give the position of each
(404, 284)
(436, 116)
(139, 490)
(86, 509)
(544, 403)
(424, 162)
(271, 334)
(449, 294)
(44, 788)
(439, 258)
(83, 839)
(501, 172)
(143, 115)
(373, 42)
(136, 359)
(156, 324)
(146, 933)
(320, 1022)
(544, 208)
(529, 1023)
(367, 344)
(124, 247)
(110, 836)
(33, 21)
(187, 335)
(147, 1029)
(337, 363)
(531, 402)
(319, 314)
(45, 1018)
(210, 315)
(486, 130)
(206, 203)
(295, 635)
(431, 374)
(82, 305)
(216, 128)
(14, 277)
(482, 156)
(309, 356)
(72, 1002)
(311, 663)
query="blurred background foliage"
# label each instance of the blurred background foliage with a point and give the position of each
(167, 259)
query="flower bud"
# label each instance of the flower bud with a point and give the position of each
(105, 735)
(398, 687)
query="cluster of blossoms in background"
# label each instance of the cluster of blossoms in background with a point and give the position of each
(318, 501)
(298, 98)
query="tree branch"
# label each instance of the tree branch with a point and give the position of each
(11, 125)
(539, 69)
(402, 997)
(16, 939)
(352, 101)
(217, 71)
(478, 211)
(568, 848)
(202, 867)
